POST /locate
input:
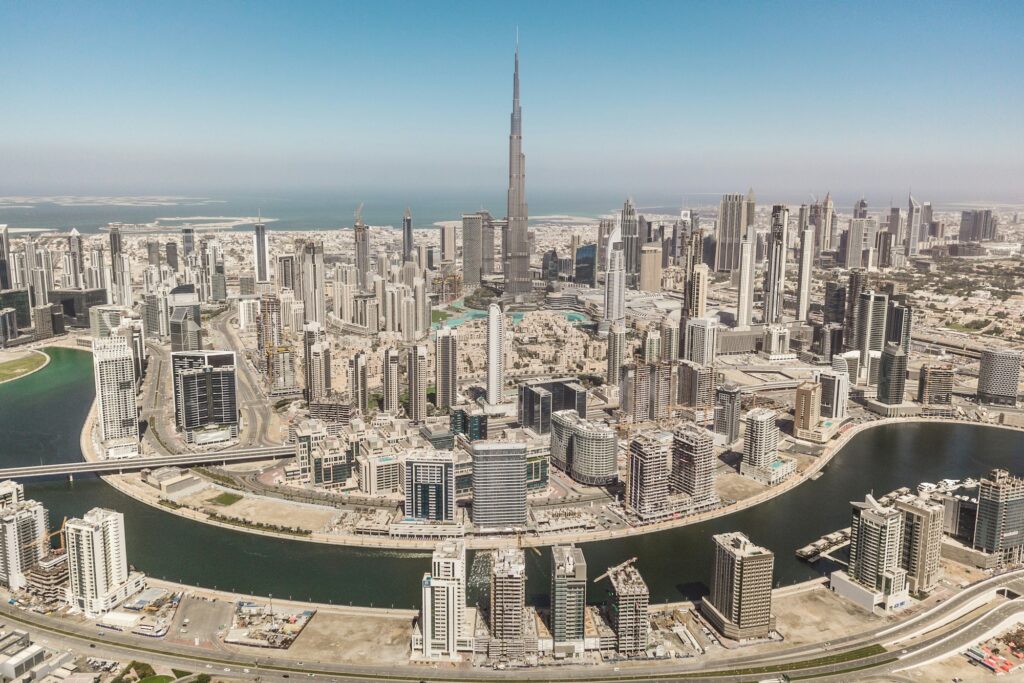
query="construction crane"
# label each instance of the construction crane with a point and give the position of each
(45, 538)
(616, 568)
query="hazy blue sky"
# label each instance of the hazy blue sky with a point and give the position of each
(665, 99)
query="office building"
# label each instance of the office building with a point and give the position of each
(650, 268)
(629, 231)
(899, 323)
(508, 605)
(584, 450)
(855, 286)
(775, 275)
(442, 624)
(697, 291)
(999, 529)
(615, 282)
(872, 312)
(628, 610)
(922, 541)
(693, 463)
(540, 398)
(808, 406)
(205, 395)
(358, 386)
(648, 474)
(999, 377)
(313, 274)
(361, 237)
(735, 217)
(416, 374)
(430, 486)
(745, 292)
(740, 603)
(935, 384)
(472, 250)
(184, 328)
(892, 377)
(499, 484)
(99, 578)
(835, 394)
(701, 344)
(761, 438)
(495, 355)
(694, 385)
(977, 225)
(446, 368)
(568, 599)
(727, 411)
(859, 238)
(116, 410)
(803, 287)
(914, 234)
(876, 544)
(390, 380)
(260, 252)
(316, 360)
(407, 241)
(448, 250)
(515, 245)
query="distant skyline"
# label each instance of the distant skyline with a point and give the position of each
(656, 100)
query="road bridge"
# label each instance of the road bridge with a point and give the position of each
(123, 465)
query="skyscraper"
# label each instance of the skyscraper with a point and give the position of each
(935, 384)
(390, 381)
(316, 363)
(629, 617)
(871, 316)
(922, 541)
(629, 231)
(740, 603)
(568, 599)
(876, 543)
(999, 377)
(499, 484)
(745, 293)
(361, 235)
(701, 340)
(446, 368)
(495, 355)
(727, 411)
(650, 268)
(999, 529)
(803, 288)
(472, 250)
(24, 525)
(892, 377)
(260, 255)
(914, 236)
(775, 276)
(616, 352)
(508, 602)
(117, 413)
(430, 485)
(442, 621)
(313, 274)
(416, 372)
(735, 216)
(648, 475)
(615, 282)
(693, 462)
(407, 242)
(585, 450)
(761, 439)
(205, 395)
(808, 406)
(98, 562)
(516, 249)
(835, 394)
(5, 258)
(358, 390)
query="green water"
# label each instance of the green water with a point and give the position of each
(41, 417)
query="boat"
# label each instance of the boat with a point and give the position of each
(926, 487)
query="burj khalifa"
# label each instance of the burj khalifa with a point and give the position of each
(515, 242)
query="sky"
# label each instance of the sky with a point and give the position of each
(673, 99)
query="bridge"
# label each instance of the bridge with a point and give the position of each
(70, 469)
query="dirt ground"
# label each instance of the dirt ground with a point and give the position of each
(264, 511)
(353, 639)
(734, 486)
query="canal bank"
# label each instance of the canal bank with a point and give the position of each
(42, 420)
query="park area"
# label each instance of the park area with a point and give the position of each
(14, 364)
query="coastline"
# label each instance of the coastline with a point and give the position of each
(46, 362)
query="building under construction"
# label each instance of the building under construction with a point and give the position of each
(628, 610)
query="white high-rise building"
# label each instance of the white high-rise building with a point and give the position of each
(745, 294)
(803, 289)
(98, 562)
(495, 354)
(442, 617)
(446, 368)
(835, 394)
(416, 371)
(914, 237)
(116, 411)
(775, 276)
(698, 292)
(313, 274)
(391, 369)
(23, 534)
(761, 439)
(615, 281)
(701, 340)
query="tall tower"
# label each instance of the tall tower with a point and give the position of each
(446, 367)
(629, 228)
(775, 277)
(390, 380)
(260, 258)
(568, 598)
(740, 604)
(615, 281)
(444, 601)
(517, 248)
(416, 370)
(362, 244)
(616, 352)
(407, 236)
(117, 413)
(313, 273)
(745, 295)
(495, 354)
(803, 287)
(913, 226)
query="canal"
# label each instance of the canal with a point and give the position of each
(41, 417)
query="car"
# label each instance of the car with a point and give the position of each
(92, 644)
(209, 666)
(245, 671)
(226, 669)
